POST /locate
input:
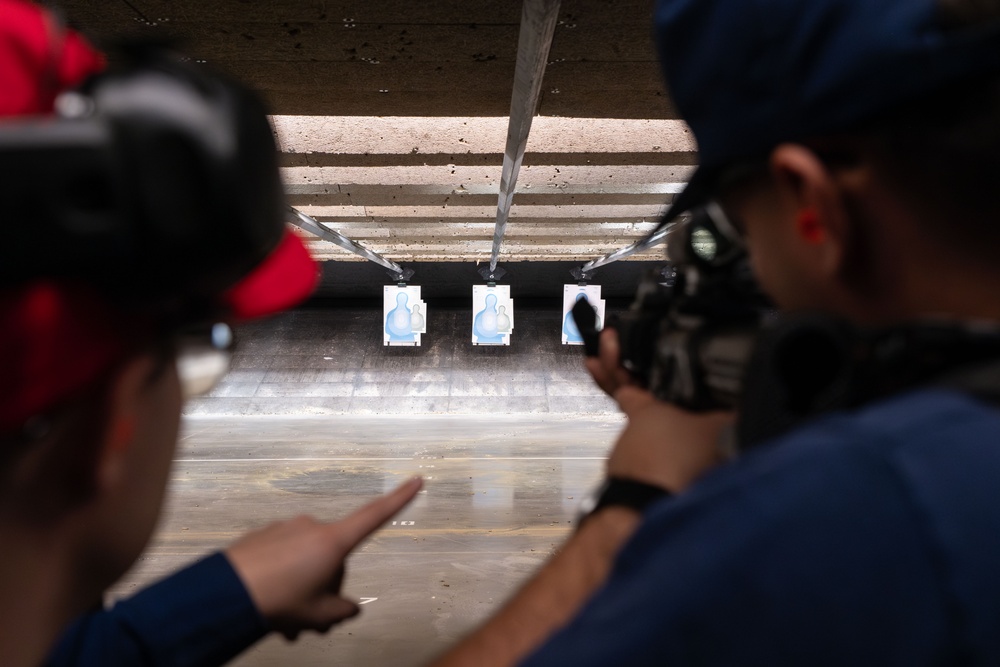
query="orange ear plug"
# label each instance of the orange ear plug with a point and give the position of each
(808, 226)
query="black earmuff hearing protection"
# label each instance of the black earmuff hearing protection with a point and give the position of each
(155, 180)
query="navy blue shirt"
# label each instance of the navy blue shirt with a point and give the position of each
(201, 616)
(870, 538)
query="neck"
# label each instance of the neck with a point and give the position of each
(960, 292)
(35, 605)
(933, 289)
(905, 275)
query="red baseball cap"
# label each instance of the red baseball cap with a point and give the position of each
(39, 58)
(58, 336)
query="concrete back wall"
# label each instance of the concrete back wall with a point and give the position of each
(325, 360)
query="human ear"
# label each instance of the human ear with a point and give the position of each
(125, 392)
(819, 228)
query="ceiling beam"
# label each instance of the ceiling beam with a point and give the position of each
(310, 225)
(538, 25)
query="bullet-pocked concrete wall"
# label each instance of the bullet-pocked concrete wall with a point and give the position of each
(332, 361)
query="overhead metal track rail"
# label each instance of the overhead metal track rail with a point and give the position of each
(311, 225)
(538, 24)
(654, 239)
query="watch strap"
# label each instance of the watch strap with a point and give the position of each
(625, 492)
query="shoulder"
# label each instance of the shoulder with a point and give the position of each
(865, 454)
(832, 535)
(897, 482)
(870, 441)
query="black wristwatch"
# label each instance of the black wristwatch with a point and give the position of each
(623, 492)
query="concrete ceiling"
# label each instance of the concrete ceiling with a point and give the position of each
(392, 116)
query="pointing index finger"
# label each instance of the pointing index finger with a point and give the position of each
(363, 522)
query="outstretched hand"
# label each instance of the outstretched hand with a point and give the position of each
(662, 444)
(293, 569)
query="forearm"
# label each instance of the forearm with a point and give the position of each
(552, 597)
(199, 617)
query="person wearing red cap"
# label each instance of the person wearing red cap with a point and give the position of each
(108, 294)
(848, 158)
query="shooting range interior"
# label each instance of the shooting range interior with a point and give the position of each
(399, 126)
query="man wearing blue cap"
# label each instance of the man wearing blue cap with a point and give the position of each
(854, 145)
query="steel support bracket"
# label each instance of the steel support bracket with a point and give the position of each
(491, 275)
(311, 225)
(401, 277)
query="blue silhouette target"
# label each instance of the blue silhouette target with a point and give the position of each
(572, 294)
(404, 315)
(493, 315)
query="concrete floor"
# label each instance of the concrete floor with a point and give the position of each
(500, 494)
(317, 416)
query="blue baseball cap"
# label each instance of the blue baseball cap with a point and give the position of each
(747, 75)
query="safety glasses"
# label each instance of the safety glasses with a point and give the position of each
(204, 355)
